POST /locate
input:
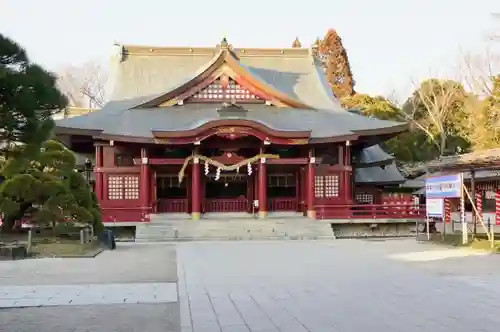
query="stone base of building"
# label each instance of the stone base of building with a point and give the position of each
(219, 226)
(373, 230)
(251, 228)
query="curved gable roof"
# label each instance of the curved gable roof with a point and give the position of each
(290, 75)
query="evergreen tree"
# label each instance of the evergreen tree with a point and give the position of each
(37, 176)
(47, 189)
(336, 63)
(28, 98)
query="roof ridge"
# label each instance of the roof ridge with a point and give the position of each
(187, 50)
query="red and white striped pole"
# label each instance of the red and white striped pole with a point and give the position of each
(479, 205)
(447, 210)
(497, 206)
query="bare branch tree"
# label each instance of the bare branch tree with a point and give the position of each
(431, 109)
(495, 35)
(84, 85)
(477, 71)
(481, 75)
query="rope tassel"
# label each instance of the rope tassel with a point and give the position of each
(221, 166)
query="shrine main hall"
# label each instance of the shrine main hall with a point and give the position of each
(201, 130)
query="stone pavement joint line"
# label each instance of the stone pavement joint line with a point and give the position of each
(87, 294)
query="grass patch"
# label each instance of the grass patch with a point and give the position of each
(484, 244)
(480, 242)
(54, 247)
(45, 245)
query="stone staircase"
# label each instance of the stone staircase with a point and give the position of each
(232, 226)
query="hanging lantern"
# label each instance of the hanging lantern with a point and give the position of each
(237, 170)
(249, 168)
(217, 174)
(206, 168)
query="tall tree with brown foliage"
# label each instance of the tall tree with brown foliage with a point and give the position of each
(332, 53)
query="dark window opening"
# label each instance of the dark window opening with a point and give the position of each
(124, 160)
(169, 187)
(226, 187)
(281, 185)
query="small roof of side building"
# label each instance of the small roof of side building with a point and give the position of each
(373, 156)
(474, 161)
(379, 175)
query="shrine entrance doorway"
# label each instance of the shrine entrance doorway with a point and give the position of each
(228, 193)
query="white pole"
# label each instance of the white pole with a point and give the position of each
(492, 232)
(462, 213)
(427, 227)
(416, 228)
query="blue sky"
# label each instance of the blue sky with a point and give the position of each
(389, 42)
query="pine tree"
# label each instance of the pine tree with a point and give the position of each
(47, 190)
(28, 97)
(336, 62)
(37, 177)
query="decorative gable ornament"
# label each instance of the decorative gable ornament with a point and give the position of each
(224, 82)
(225, 89)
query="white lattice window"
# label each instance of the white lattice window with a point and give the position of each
(331, 186)
(216, 91)
(326, 186)
(131, 187)
(319, 186)
(123, 187)
(364, 198)
(115, 187)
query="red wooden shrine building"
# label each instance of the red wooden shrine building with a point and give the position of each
(220, 129)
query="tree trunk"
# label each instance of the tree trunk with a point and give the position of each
(8, 224)
(442, 147)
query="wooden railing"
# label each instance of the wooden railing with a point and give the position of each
(370, 211)
(283, 204)
(226, 205)
(172, 205)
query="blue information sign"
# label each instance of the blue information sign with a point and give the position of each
(447, 186)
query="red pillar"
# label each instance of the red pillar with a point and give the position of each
(262, 188)
(311, 211)
(144, 184)
(195, 190)
(98, 173)
(347, 172)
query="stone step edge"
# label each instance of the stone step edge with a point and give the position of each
(235, 239)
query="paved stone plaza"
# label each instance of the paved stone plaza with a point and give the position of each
(343, 285)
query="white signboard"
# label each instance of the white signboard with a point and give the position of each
(447, 186)
(434, 207)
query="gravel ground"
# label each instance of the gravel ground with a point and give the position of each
(95, 318)
(130, 263)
